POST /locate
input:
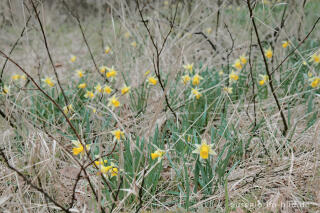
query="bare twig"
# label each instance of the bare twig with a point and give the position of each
(284, 132)
(48, 51)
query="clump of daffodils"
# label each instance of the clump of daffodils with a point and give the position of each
(48, 81)
(204, 150)
(78, 148)
(263, 79)
(18, 77)
(118, 134)
(268, 53)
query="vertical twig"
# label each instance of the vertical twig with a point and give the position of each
(253, 82)
(284, 132)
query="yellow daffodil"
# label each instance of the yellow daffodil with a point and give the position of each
(157, 154)
(188, 67)
(79, 73)
(268, 53)
(118, 134)
(73, 58)
(152, 80)
(5, 90)
(233, 76)
(221, 73)
(100, 162)
(285, 44)
(107, 89)
(89, 94)
(67, 109)
(204, 150)
(147, 73)
(196, 80)
(237, 64)
(15, 77)
(98, 88)
(112, 73)
(243, 59)
(127, 35)
(78, 148)
(82, 86)
(209, 30)
(114, 102)
(315, 82)
(195, 93)
(310, 74)
(186, 79)
(48, 81)
(107, 50)
(315, 58)
(133, 44)
(23, 77)
(102, 69)
(228, 90)
(125, 89)
(264, 79)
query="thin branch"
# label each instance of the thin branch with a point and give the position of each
(48, 51)
(267, 70)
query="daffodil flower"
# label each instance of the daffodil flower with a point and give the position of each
(147, 72)
(158, 154)
(82, 86)
(185, 79)
(73, 58)
(98, 88)
(89, 94)
(79, 73)
(264, 79)
(125, 89)
(152, 80)
(112, 73)
(221, 73)
(107, 89)
(315, 82)
(107, 50)
(195, 93)
(15, 77)
(233, 76)
(48, 81)
(188, 67)
(209, 30)
(127, 35)
(118, 134)
(68, 109)
(243, 59)
(204, 150)
(114, 102)
(78, 148)
(315, 58)
(196, 80)
(268, 53)
(237, 64)
(285, 44)
(228, 90)
(134, 44)
(5, 90)
(102, 69)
